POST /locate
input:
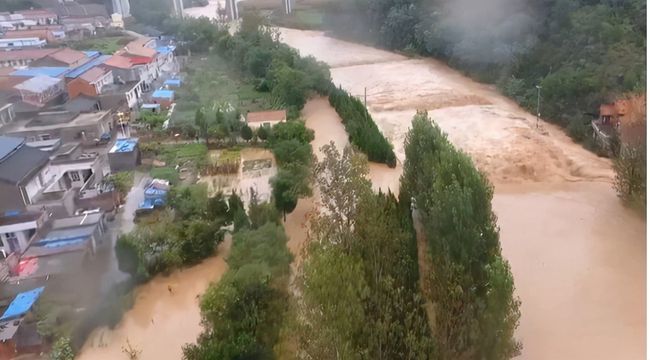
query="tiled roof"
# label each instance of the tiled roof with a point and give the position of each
(93, 74)
(68, 56)
(264, 116)
(25, 54)
(19, 34)
(119, 61)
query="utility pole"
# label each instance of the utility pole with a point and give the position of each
(539, 89)
(365, 97)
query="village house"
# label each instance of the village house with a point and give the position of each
(23, 174)
(124, 97)
(50, 36)
(53, 182)
(40, 89)
(127, 69)
(17, 58)
(65, 57)
(257, 119)
(85, 128)
(163, 97)
(90, 83)
(22, 43)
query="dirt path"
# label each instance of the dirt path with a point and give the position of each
(578, 257)
(160, 323)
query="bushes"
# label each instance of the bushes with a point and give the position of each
(362, 130)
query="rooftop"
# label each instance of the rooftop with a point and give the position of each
(172, 82)
(68, 56)
(124, 145)
(82, 119)
(25, 54)
(163, 94)
(119, 61)
(22, 304)
(93, 74)
(20, 163)
(8, 219)
(80, 220)
(139, 47)
(9, 145)
(119, 88)
(19, 34)
(38, 84)
(79, 70)
(265, 116)
(52, 71)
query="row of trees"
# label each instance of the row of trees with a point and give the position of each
(243, 313)
(471, 286)
(582, 53)
(360, 279)
(361, 129)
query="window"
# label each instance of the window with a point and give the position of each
(44, 136)
(12, 241)
(74, 176)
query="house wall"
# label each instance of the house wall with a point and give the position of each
(23, 238)
(125, 74)
(257, 124)
(79, 86)
(104, 80)
(40, 98)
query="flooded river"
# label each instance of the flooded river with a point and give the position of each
(577, 255)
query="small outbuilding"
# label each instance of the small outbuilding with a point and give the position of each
(163, 97)
(124, 155)
(257, 119)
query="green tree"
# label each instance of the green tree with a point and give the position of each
(201, 124)
(284, 192)
(62, 350)
(246, 133)
(263, 132)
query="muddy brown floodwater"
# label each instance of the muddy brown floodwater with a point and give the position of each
(160, 322)
(577, 255)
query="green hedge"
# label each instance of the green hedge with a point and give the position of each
(361, 129)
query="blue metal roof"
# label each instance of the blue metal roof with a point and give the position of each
(173, 82)
(124, 145)
(66, 237)
(22, 303)
(79, 70)
(165, 49)
(166, 94)
(50, 71)
(91, 53)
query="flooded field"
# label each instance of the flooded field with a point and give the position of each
(577, 255)
(257, 167)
